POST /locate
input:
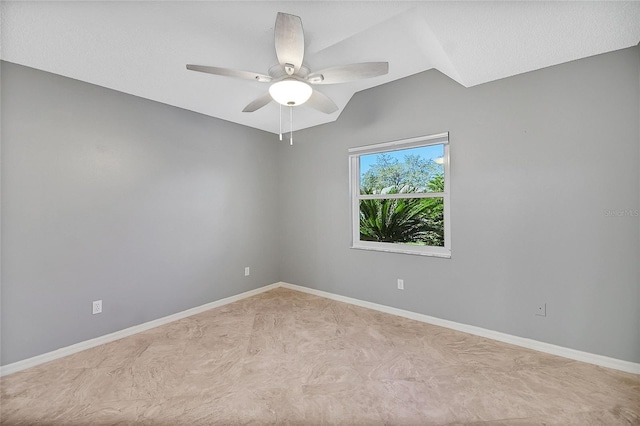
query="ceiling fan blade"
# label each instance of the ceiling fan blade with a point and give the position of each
(321, 102)
(258, 103)
(229, 72)
(344, 73)
(289, 40)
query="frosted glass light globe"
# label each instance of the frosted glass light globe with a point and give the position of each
(290, 92)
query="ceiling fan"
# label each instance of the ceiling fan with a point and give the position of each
(290, 79)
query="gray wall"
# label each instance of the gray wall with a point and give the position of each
(155, 210)
(537, 159)
(107, 196)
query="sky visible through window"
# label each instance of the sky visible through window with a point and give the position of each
(430, 152)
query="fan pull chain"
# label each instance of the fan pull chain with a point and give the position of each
(291, 122)
(280, 121)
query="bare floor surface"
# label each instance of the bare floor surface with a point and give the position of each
(285, 357)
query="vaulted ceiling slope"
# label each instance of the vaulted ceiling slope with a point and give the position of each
(142, 47)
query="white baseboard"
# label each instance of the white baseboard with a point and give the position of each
(81, 346)
(604, 361)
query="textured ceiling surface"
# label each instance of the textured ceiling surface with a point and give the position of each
(142, 47)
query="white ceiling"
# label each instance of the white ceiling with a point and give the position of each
(142, 47)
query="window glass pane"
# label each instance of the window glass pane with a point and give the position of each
(409, 170)
(416, 221)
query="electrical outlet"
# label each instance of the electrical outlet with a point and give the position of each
(247, 271)
(541, 311)
(400, 284)
(97, 307)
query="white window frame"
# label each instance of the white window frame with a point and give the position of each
(354, 187)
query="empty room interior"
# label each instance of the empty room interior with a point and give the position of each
(371, 213)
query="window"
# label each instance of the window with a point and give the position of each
(400, 196)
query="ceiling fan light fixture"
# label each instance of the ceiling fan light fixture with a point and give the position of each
(290, 92)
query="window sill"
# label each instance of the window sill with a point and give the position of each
(442, 254)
